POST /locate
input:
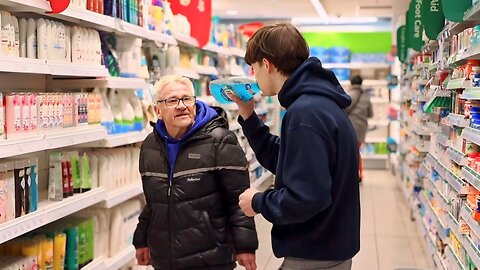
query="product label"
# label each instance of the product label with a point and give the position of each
(33, 112)
(26, 113)
(17, 114)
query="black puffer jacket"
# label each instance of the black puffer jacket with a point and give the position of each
(195, 223)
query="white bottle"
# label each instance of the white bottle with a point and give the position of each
(22, 25)
(61, 42)
(48, 36)
(16, 31)
(6, 38)
(98, 48)
(31, 39)
(76, 34)
(42, 39)
(68, 44)
(58, 41)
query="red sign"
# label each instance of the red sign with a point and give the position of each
(250, 28)
(58, 6)
(199, 15)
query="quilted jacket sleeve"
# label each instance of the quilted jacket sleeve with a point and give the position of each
(234, 177)
(140, 235)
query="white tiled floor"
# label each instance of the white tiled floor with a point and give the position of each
(389, 239)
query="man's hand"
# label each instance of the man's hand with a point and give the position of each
(247, 260)
(245, 109)
(245, 201)
(143, 256)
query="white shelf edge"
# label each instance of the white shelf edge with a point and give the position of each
(187, 72)
(96, 264)
(52, 140)
(186, 40)
(123, 257)
(50, 212)
(262, 179)
(238, 52)
(217, 49)
(375, 157)
(123, 194)
(107, 82)
(206, 70)
(376, 139)
(58, 68)
(115, 140)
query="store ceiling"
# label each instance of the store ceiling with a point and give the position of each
(286, 9)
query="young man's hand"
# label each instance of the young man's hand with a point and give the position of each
(245, 202)
(143, 256)
(245, 109)
(247, 260)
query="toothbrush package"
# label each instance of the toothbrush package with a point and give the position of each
(242, 87)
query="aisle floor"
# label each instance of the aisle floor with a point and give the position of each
(389, 239)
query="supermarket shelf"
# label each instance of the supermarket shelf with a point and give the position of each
(471, 93)
(107, 82)
(376, 139)
(185, 40)
(472, 135)
(207, 99)
(357, 65)
(262, 179)
(457, 120)
(122, 258)
(36, 66)
(466, 214)
(431, 246)
(206, 70)
(237, 52)
(431, 46)
(454, 261)
(375, 157)
(379, 100)
(471, 177)
(124, 194)
(23, 65)
(433, 216)
(187, 72)
(444, 203)
(378, 123)
(97, 264)
(471, 249)
(55, 139)
(460, 57)
(458, 84)
(49, 212)
(456, 156)
(473, 14)
(116, 140)
(367, 83)
(217, 49)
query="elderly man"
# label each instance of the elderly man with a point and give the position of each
(193, 171)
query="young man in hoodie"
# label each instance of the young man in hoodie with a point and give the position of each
(314, 205)
(193, 171)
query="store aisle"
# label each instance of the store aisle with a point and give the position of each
(389, 238)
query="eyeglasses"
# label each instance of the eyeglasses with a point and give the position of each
(174, 102)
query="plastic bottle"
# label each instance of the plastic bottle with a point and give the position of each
(85, 175)
(19, 175)
(22, 25)
(16, 29)
(31, 39)
(68, 44)
(55, 191)
(33, 184)
(6, 34)
(42, 39)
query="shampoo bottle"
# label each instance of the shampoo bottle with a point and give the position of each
(55, 191)
(22, 24)
(16, 29)
(34, 184)
(3, 193)
(59, 246)
(75, 163)
(71, 255)
(31, 39)
(8, 39)
(85, 174)
(68, 44)
(11, 206)
(28, 184)
(42, 39)
(19, 175)
(94, 169)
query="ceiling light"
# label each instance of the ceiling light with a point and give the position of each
(232, 12)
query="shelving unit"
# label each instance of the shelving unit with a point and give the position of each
(119, 139)
(49, 212)
(124, 194)
(122, 258)
(52, 140)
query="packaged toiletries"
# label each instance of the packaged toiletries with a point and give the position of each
(22, 25)
(3, 193)
(75, 165)
(71, 255)
(13, 115)
(47, 253)
(31, 39)
(59, 246)
(33, 112)
(42, 39)
(65, 176)
(25, 111)
(55, 190)
(20, 185)
(86, 179)
(244, 88)
(2, 117)
(33, 183)
(16, 44)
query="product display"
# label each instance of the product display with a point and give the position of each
(244, 88)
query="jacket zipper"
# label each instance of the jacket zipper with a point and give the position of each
(170, 236)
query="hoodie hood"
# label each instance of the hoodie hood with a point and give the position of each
(204, 115)
(311, 78)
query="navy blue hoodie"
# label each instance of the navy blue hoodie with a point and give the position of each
(315, 205)
(203, 115)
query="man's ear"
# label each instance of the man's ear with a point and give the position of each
(268, 65)
(158, 111)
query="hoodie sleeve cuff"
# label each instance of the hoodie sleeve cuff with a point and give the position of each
(256, 202)
(251, 122)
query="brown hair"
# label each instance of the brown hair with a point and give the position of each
(282, 44)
